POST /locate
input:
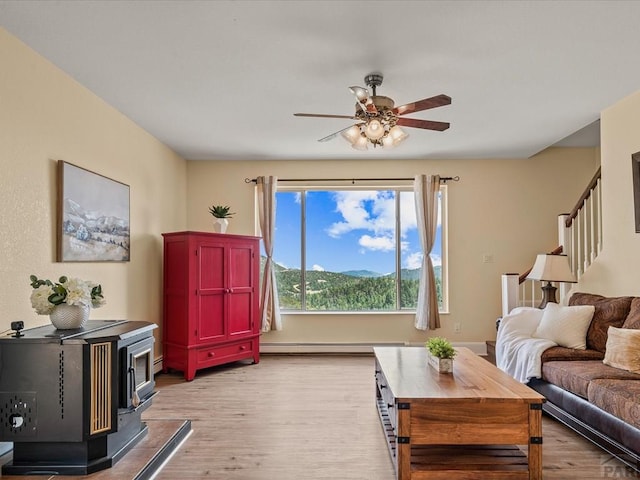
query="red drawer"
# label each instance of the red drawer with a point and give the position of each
(212, 355)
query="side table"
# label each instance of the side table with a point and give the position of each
(491, 351)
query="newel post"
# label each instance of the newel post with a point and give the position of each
(564, 239)
(510, 287)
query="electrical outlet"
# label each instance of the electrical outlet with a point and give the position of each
(487, 258)
(456, 327)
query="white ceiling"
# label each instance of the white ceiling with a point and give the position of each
(222, 79)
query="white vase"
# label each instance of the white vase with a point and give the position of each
(220, 225)
(66, 317)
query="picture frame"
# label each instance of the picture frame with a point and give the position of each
(635, 166)
(93, 216)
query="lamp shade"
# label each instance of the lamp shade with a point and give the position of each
(362, 94)
(374, 129)
(552, 268)
(352, 134)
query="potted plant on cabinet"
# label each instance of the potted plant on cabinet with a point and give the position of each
(221, 214)
(440, 354)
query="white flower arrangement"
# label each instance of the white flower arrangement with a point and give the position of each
(72, 291)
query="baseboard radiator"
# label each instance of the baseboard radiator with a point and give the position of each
(284, 347)
(479, 348)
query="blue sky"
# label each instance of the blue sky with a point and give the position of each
(347, 230)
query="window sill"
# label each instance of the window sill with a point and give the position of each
(376, 313)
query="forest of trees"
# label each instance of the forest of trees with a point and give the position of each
(348, 291)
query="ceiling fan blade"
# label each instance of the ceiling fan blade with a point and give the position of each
(324, 116)
(335, 134)
(425, 104)
(364, 100)
(426, 124)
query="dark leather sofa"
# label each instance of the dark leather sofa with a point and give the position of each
(598, 401)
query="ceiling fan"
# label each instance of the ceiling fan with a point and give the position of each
(379, 121)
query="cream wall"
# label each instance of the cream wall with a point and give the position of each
(504, 208)
(616, 271)
(44, 116)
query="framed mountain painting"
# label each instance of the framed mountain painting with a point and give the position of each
(93, 216)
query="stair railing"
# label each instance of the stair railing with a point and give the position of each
(579, 237)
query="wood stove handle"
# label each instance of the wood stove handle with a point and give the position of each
(135, 398)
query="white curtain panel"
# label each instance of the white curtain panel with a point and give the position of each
(425, 189)
(270, 318)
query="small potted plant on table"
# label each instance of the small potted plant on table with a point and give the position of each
(440, 354)
(221, 214)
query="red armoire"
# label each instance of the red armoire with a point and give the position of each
(211, 295)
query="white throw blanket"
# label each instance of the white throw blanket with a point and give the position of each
(518, 352)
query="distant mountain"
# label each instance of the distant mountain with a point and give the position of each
(405, 273)
(76, 218)
(346, 291)
(276, 266)
(363, 273)
(414, 273)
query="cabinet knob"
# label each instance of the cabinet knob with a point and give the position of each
(210, 354)
(390, 405)
(243, 347)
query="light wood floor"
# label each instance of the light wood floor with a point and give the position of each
(311, 418)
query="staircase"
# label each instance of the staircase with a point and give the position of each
(579, 237)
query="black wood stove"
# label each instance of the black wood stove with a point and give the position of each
(71, 400)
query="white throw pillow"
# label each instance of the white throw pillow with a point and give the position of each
(567, 326)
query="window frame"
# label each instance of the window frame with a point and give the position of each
(397, 189)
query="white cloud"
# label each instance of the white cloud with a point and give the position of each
(374, 212)
(317, 268)
(385, 244)
(413, 261)
(364, 210)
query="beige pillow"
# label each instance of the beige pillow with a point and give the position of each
(623, 349)
(567, 326)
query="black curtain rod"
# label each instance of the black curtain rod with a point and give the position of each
(353, 180)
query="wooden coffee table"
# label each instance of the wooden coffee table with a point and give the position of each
(462, 425)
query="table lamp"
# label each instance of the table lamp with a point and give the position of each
(551, 268)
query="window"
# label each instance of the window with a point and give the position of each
(343, 250)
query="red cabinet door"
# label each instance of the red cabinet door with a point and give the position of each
(241, 290)
(210, 291)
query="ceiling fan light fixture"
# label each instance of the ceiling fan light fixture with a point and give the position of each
(374, 130)
(397, 135)
(387, 142)
(362, 94)
(377, 117)
(352, 134)
(361, 143)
